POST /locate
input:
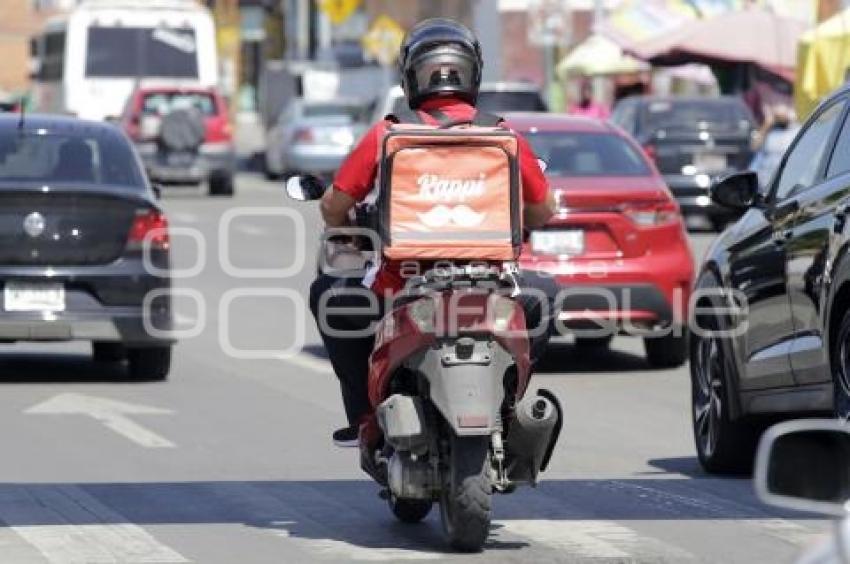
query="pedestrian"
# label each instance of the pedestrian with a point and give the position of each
(587, 106)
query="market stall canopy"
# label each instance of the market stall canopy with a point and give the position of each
(597, 56)
(757, 36)
(823, 61)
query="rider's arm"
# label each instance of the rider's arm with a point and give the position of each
(538, 200)
(354, 180)
(335, 207)
(537, 215)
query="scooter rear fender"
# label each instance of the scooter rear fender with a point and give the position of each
(468, 392)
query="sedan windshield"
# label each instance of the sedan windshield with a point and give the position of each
(587, 154)
(87, 160)
(691, 114)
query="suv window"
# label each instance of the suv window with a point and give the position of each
(162, 103)
(840, 162)
(803, 162)
(709, 113)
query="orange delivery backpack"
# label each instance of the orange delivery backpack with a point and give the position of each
(449, 192)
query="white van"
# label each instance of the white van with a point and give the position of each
(88, 61)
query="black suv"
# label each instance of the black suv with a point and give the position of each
(786, 262)
(691, 140)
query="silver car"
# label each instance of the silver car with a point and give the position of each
(313, 137)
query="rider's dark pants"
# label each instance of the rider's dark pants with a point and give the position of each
(347, 308)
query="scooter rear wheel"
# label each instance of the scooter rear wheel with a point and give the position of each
(466, 497)
(409, 510)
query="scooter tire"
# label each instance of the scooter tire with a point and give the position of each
(466, 499)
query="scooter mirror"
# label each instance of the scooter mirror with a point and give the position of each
(304, 188)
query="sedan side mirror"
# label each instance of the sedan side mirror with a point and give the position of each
(804, 465)
(157, 191)
(305, 188)
(737, 191)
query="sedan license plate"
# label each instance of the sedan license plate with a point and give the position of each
(710, 162)
(558, 243)
(180, 159)
(33, 297)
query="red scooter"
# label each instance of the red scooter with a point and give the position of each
(448, 380)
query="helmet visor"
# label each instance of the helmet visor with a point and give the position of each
(445, 69)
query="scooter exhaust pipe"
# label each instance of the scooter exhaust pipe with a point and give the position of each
(532, 434)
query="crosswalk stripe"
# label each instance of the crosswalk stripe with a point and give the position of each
(68, 526)
(314, 522)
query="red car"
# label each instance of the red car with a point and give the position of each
(183, 135)
(617, 245)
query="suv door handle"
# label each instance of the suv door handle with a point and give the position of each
(781, 236)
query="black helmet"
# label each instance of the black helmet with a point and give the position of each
(440, 56)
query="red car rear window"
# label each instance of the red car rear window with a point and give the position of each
(161, 103)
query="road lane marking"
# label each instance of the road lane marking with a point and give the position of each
(713, 506)
(183, 217)
(112, 413)
(69, 526)
(594, 539)
(252, 230)
(320, 524)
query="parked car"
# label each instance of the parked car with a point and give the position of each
(313, 137)
(802, 466)
(783, 270)
(76, 213)
(617, 241)
(183, 135)
(493, 97)
(691, 141)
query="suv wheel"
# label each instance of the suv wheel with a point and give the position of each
(724, 445)
(841, 369)
(149, 363)
(221, 184)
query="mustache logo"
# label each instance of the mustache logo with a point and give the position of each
(458, 216)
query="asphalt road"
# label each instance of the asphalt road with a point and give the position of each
(231, 459)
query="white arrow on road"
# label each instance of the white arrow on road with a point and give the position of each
(111, 413)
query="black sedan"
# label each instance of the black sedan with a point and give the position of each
(691, 140)
(778, 344)
(83, 244)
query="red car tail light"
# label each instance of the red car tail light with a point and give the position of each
(149, 227)
(219, 130)
(652, 215)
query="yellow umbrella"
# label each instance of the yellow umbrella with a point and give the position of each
(823, 59)
(596, 56)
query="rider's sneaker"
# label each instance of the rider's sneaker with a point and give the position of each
(346, 437)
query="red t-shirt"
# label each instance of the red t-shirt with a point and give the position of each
(356, 176)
